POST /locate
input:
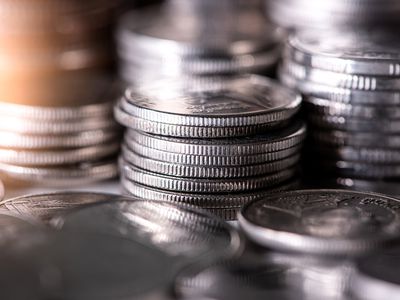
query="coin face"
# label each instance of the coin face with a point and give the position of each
(322, 221)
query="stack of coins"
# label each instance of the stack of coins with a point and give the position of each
(351, 84)
(55, 100)
(196, 38)
(332, 13)
(75, 142)
(216, 148)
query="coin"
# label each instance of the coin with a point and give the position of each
(58, 157)
(184, 233)
(203, 200)
(44, 207)
(203, 160)
(47, 142)
(199, 171)
(272, 141)
(61, 176)
(331, 222)
(249, 102)
(356, 139)
(371, 52)
(198, 185)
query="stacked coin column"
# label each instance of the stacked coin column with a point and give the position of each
(216, 149)
(55, 100)
(183, 39)
(350, 78)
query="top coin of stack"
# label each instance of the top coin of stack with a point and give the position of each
(300, 14)
(351, 83)
(55, 104)
(237, 141)
(164, 43)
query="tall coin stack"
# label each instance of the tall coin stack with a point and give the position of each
(216, 148)
(350, 78)
(55, 100)
(196, 38)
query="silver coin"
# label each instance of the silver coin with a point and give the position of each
(198, 171)
(328, 107)
(375, 277)
(341, 80)
(36, 142)
(360, 169)
(204, 160)
(362, 155)
(340, 94)
(103, 108)
(58, 157)
(355, 139)
(60, 176)
(246, 63)
(279, 140)
(331, 222)
(197, 185)
(254, 100)
(153, 30)
(387, 187)
(17, 125)
(326, 15)
(44, 207)
(368, 53)
(355, 125)
(184, 233)
(208, 201)
(164, 129)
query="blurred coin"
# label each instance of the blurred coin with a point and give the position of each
(61, 176)
(44, 207)
(57, 141)
(329, 222)
(58, 157)
(184, 233)
(356, 139)
(372, 52)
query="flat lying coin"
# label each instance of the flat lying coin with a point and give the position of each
(331, 222)
(182, 232)
(44, 207)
